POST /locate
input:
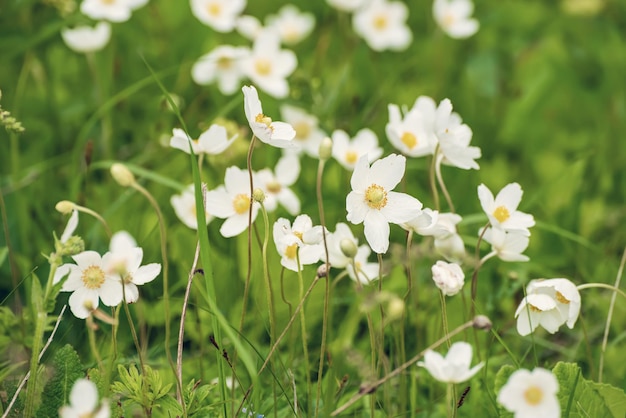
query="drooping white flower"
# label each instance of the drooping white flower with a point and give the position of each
(298, 244)
(222, 65)
(111, 10)
(453, 16)
(184, 205)
(248, 26)
(531, 394)
(84, 402)
(87, 39)
(441, 226)
(90, 280)
(382, 24)
(347, 5)
(268, 66)
(455, 367)
(502, 211)
(278, 134)
(549, 303)
(448, 277)
(213, 141)
(291, 24)
(276, 185)
(232, 202)
(220, 15)
(373, 202)
(508, 246)
(348, 151)
(308, 133)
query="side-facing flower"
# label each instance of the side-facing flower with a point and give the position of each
(448, 277)
(298, 244)
(455, 367)
(348, 151)
(84, 402)
(248, 26)
(347, 5)
(549, 303)
(220, 15)
(276, 185)
(308, 133)
(373, 202)
(111, 10)
(502, 211)
(454, 139)
(531, 394)
(382, 24)
(212, 141)
(232, 202)
(291, 24)
(87, 39)
(508, 246)
(278, 134)
(184, 205)
(408, 133)
(222, 65)
(453, 16)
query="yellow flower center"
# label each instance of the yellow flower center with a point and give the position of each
(351, 157)
(93, 277)
(448, 20)
(241, 203)
(263, 66)
(376, 197)
(501, 214)
(273, 187)
(266, 120)
(380, 22)
(224, 63)
(561, 298)
(533, 395)
(303, 130)
(409, 140)
(214, 9)
(108, 1)
(291, 251)
(291, 34)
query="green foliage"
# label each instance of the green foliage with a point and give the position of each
(66, 368)
(196, 396)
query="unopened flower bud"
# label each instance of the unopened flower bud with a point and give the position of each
(482, 322)
(448, 277)
(122, 175)
(258, 195)
(322, 271)
(348, 247)
(72, 246)
(326, 149)
(65, 206)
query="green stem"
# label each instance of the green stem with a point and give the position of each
(266, 277)
(444, 316)
(601, 286)
(431, 178)
(305, 348)
(442, 185)
(475, 274)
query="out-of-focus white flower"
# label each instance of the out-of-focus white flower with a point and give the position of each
(268, 66)
(502, 211)
(448, 277)
(136, 4)
(111, 10)
(308, 133)
(220, 15)
(348, 151)
(89, 281)
(453, 16)
(184, 205)
(232, 202)
(291, 24)
(508, 246)
(336, 254)
(549, 303)
(408, 133)
(212, 141)
(531, 394)
(454, 138)
(249, 26)
(87, 39)
(299, 244)
(455, 367)
(373, 202)
(441, 226)
(382, 24)
(276, 185)
(278, 134)
(84, 402)
(366, 271)
(224, 65)
(347, 5)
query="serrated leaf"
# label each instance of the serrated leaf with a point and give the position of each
(169, 404)
(66, 369)
(503, 376)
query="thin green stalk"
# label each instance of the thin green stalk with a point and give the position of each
(431, 178)
(442, 185)
(266, 277)
(112, 351)
(305, 348)
(91, 334)
(476, 269)
(444, 316)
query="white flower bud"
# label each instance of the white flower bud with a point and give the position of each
(122, 174)
(65, 207)
(448, 277)
(326, 149)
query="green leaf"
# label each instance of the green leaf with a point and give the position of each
(66, 369)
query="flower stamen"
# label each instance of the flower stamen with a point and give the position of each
(501, 213)
(376, 197)
(533, 395)
(93, 277)
(241, 203)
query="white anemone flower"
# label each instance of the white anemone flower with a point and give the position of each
(454, 138)
(453, 16)
(531, 394)
(232, 202)
(111, 10)
(84, 402)
(382, 24)
(222, 65)
(184, 205)
(213, 141)
(248, 26)
(408, 133)
(87, 39)
(308, 133)
(278, 134)
(348, 151)
(373, 203)
(502, 211)
(347, 5)
(221, 15)
(441, 226)
(448, 277)
(268, 66)
(508, 246)
(549, 303)
(291, 24)
(298, 244)
(455, 367)
(276, 185)
(89, 281)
